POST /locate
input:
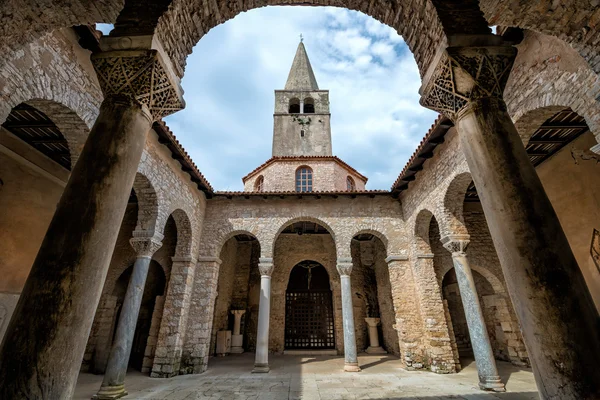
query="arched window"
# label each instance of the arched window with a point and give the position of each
(309, 106)
(294, 106)
(259, 184)
(350, 185)
(304, 179)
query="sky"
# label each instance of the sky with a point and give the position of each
(230, 78)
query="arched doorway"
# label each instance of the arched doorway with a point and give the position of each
(309, 308)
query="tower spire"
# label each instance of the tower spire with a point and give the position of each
(301, 75)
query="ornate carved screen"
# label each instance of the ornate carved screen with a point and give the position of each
(309, 309)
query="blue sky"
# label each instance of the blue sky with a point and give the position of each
(227, 125)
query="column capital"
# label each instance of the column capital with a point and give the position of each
(456, 244)
(146, 243)
(372, 321)
(463, 75)
(344, 268)
(265, 266)
(137, 67)
(238, 312)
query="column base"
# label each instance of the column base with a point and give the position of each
(110, 392)
(237, 350)
(261, 369)
(492, 383)
(351, 367)
(375, 350)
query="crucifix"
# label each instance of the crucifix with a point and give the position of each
(309, 267)
(301, 38)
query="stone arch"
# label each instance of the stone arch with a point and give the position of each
(300, 219)
(71, 126)
(382, 237)
(551, 18)
(554, 79)
(454, 199)
(147, 203)
(185, 233)
(231, 234)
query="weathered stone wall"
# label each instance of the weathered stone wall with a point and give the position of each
(280, 176)
(55, 75)
(573, 21)
(549, 76)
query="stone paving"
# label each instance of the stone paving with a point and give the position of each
(317, 377)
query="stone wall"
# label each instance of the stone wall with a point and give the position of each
(327, 175)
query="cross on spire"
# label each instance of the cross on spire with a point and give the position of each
(301, 38)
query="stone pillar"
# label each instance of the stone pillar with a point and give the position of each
(301, 106)
(113, 384)
(489, 379)
(56, 308)
(409, 322)
(553, 304)
(344, 267)
(237, 339)
(190, 297)
(374, 347)
(261, 363)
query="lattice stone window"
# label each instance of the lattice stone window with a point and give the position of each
(259, 185)
(304, 179)
(350, 185)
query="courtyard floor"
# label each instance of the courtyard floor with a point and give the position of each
(317, 377)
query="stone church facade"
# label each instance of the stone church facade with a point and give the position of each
(460, 258)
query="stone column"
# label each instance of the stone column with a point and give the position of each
(261, 363)
(553, 304)
(489, 379)
(237, 339)
(57, 304)
(113, 384)
(374, 347)
(344, 267)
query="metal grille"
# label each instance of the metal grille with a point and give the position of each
(309, 320)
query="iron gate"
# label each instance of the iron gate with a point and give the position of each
(309, 320)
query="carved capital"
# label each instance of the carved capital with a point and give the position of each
(464, 75)
(139, 68)
(146, 243)
(265, 266)
(344, 268)
(456, 244)
(238, 312)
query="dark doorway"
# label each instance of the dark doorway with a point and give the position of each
(309, 308)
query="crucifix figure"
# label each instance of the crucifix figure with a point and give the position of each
(309, 268)
(301, 38)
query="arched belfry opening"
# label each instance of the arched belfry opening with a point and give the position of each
(309, 308)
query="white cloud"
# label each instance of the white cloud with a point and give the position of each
(373, 80)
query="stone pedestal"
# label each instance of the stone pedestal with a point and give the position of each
(261, 362)
(344, 268)
(374, 347)
(237, 339)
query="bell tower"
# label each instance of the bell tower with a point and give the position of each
(301, 125)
